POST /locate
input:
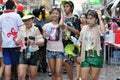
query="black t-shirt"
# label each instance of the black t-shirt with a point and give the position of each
(73, 22)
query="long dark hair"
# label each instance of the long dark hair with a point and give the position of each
(59, 10)
(94, 14)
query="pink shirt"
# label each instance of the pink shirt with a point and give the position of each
(113, 26)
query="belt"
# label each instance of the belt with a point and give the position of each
(53, 51)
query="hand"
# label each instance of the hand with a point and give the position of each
(79, 60)
(32, 42)
(63, 25)
(99, 13)
(17, 42)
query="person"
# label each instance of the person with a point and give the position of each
(1, 54)
(45, 15)
(72, 25)
(9, 26)
(29, 38)
(114, 24)
(91, 51)
(1, 63)
(53, 34)
(83, 20)
(40, 20)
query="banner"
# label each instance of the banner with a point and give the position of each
(46, 3)
(93, 2)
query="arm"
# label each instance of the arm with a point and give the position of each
(102, 26)
(75, 31)
(39, 38)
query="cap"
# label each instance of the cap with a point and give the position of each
(27, 15)
(68, 2)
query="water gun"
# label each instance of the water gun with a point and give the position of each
(48, 30)
(74, 40)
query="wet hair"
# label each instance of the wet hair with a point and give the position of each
(94, 14)
(71, 4)
(55, 8)
(83, 14)
(58, 9)
(36, 12)
(10, 4)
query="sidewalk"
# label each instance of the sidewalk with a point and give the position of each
(108, 72)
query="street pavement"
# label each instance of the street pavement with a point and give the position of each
(108, 72)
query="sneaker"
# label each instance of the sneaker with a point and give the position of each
(49, 73)
(64, 71)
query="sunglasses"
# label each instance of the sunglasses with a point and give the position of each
(56, 7)
(26, 41)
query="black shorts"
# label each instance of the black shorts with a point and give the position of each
(34, 60)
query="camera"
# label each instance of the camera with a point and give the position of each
(32, 38)
(91, 53)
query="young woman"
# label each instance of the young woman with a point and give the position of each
(91, 52)
(29, 38)
(55, 54)
(83, 20)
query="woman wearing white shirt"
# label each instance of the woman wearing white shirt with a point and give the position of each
(29, 38)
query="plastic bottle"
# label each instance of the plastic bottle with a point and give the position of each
(48, 31)
(106, 37)
(30, 49)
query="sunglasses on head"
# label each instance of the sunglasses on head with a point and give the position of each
(56, 7)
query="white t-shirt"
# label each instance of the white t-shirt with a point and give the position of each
(54, 45)
(9, 25)
(22, 35)
(89, 37)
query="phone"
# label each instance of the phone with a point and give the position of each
(32, 38)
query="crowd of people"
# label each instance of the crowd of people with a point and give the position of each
(29, 42)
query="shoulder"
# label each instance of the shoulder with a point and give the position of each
(85, 27)
(46, 25)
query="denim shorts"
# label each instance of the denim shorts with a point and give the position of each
(54, 54)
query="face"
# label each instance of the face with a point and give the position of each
(67, 8)
(91, 21)
(28, 22)
(83, 19)
(55, 15)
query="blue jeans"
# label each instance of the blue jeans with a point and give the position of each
(54, 54)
